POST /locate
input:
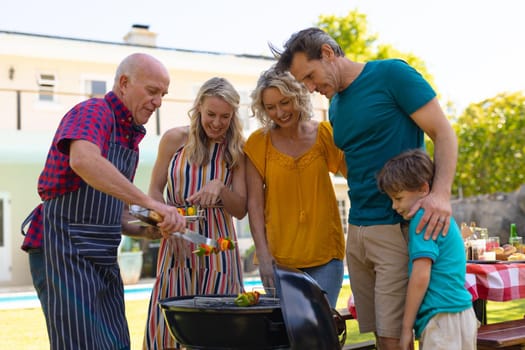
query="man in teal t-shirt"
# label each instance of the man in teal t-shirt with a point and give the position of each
(385, 132)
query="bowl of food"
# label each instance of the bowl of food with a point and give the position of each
(505, 251)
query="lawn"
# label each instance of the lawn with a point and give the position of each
(24, 329)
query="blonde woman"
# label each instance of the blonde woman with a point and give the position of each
(294, 217)
(201, 164)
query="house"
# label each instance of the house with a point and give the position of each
(42, 77)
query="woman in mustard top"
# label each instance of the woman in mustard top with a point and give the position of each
(293, 213)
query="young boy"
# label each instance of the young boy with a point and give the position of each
(438, 307)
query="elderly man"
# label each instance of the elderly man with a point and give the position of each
(74, 234)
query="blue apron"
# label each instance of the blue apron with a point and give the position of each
(82, 231)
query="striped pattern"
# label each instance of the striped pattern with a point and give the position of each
(92, 121)
(85, 300)
(179, 272)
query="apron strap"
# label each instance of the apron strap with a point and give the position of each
(35, 213)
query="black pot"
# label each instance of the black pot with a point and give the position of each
(215, 322)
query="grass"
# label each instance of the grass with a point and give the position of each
(25, 329)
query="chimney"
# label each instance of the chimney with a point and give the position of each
(141, 35)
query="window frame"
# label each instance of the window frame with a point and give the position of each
(46, 83)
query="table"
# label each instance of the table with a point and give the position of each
(502, 281)
(495, 282)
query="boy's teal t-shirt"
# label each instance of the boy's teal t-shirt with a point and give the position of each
(446, 290)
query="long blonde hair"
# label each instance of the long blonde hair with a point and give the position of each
(198, 142)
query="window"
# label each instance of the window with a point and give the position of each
(46, 87)
(96, 88)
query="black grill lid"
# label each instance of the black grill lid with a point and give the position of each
(306, 311)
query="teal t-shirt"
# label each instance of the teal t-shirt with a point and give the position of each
(446, 290)
(371, 122)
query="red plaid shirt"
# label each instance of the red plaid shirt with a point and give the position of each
(91, 120)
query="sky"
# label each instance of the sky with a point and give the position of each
(473, 48)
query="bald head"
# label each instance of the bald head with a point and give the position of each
(132, 64)
(141, 81)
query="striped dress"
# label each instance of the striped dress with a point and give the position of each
(179, 272)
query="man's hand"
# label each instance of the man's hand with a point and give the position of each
(137, 231)
(172, 221)
(436, 217)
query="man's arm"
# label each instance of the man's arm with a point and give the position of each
(88, 163)
(431, 119)
(137, 231)
(417, 287)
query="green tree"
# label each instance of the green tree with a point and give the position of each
(359, 45)
(491, 151)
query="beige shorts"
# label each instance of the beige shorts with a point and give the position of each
(451, 331)
(377, 258)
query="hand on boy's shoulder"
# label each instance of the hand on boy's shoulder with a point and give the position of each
(436, 217)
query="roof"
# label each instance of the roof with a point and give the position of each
(132, 45)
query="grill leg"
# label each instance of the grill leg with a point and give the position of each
(480, 308)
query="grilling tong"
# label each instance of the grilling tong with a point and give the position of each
(150, 217)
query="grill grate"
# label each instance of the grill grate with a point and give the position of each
(221, 303)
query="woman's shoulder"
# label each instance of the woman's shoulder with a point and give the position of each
(257, 136)
(255, 146)
(325, 131)
(176, 133)
(324, 126)
(175, 136)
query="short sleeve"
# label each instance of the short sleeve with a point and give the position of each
(255, 150)
(90, 121)
(418, 246)
(410, 90)
(334, 156)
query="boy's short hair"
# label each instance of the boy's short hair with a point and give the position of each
(407, 171)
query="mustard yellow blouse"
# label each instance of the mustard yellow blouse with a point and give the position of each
(303, 226)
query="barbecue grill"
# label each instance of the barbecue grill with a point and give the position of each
(300, 318)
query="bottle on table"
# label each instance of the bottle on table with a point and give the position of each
(514, 239)
(513, 231)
